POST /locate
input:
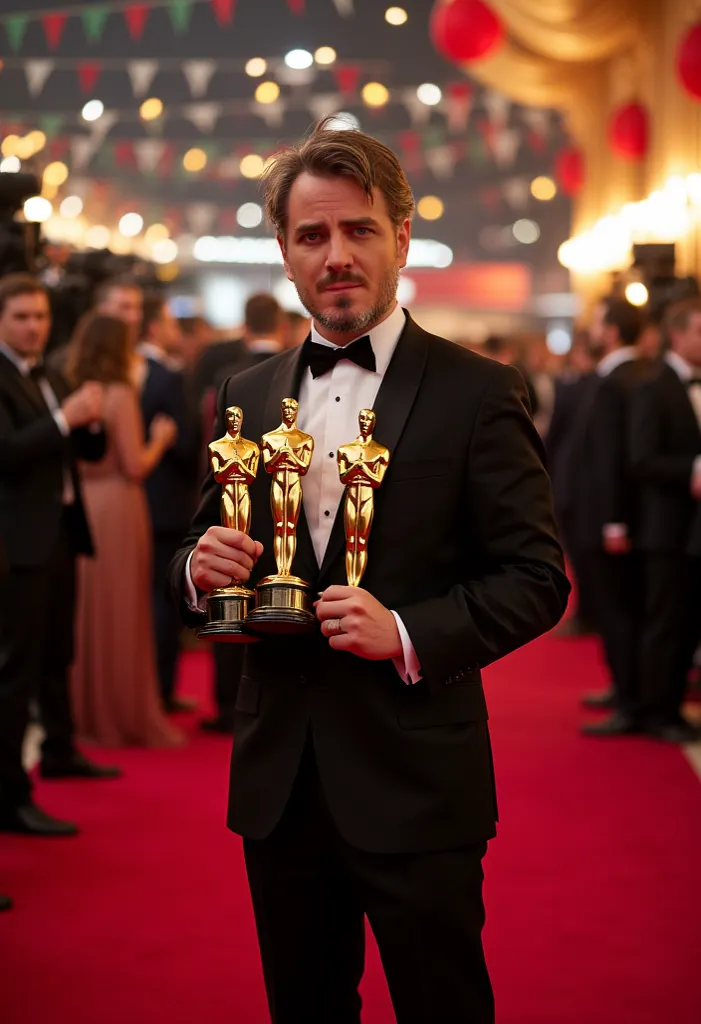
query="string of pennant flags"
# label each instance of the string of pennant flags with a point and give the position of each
(94, 17)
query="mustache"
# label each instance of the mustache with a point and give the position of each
(344, 278)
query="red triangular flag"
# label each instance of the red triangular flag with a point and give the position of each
(58, 148)
(135, 17)
(53, 28)
(296, 6)
(124, 153)
(347, 78)
(223, 10)
(88, 75)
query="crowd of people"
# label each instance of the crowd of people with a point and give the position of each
(101, 454)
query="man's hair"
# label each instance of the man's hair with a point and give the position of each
(629, 319)
(15, 285)
(678, 315)
(154, 304)
(263, 314)
(111, 284)
(330, 153)
(191, 324)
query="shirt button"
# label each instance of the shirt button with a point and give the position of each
(330, 455)
(327, 513)
(338, 398)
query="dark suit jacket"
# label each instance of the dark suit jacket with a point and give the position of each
(572, 395)
(602, 487)
(210, 363)
(664, 441)
(33, 454)
(172, 487)
(463, 548)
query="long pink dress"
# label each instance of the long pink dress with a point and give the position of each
(115, 691)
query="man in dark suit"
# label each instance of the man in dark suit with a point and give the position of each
(603, 509)
(665, 441)
(362, 776)
(43, 528)
(172, 487)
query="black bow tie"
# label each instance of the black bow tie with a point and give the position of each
(37, 372)
(694, 382)
(321, 359)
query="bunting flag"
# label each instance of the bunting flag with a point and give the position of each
(229, 168)
(204, 115)
(418, 112)
(347, 77)
(516, 192)
(505, 144)
(410, 145)
(88, 75)
(53, 28)
(136, 17)
(200, 217)
(441, 161)
(296, 6)
(37, 72)
(180, 14)
(498, 108)
(272, 113)
(344, 7)
(458, 104)
(199, 74)
(295, 77)
(83, 148)
(323, 105)
(124, 153)
(15, 28)
(148, 153)
(50, 124)
(141, 74)
(94, 19)
(223, 11)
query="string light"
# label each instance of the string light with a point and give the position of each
(252, 166)
(156, 233)
(131, 224)
(267, 92)
(55, 173)
(71, 207)
(299, 60)
(37, 140)
(24, 149)
(543, 188)
(429, 94)
(195, 160)
(636, 293)
(526, 231)
(93, 109)
(37, 209)
(375, 94)
(97, 237)
(10, 165)
(151, 109)
(165, 250)
(9, 145)
(325, 55)
(430, 208)
(256, 67)
(249, 215)
(396, 16)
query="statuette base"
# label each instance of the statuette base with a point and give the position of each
(227, 610)
(284, 604)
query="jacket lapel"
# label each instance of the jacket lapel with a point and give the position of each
(393, 405)
(29, 387)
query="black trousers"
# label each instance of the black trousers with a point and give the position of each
(671, 629)
(228, 663)
(165, 613)
(36, 651)
(311, 891)
(613, 581)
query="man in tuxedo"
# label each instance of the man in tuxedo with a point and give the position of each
(361, 776)
(43, 528)
(123, 298)
(665, 441)
(172, 487)
(603, 509)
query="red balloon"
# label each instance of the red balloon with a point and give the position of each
(569, 170)
(465, 29)
(689, 61)
(628, 132)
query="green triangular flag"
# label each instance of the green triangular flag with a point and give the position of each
(94, 19)
(180, 14)
(50, 124)
(15, 27)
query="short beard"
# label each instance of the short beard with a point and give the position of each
(345, 323)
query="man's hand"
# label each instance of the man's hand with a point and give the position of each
(696, 486)
(84, 406)
(617, 545)
(368, 628)
(223, 555)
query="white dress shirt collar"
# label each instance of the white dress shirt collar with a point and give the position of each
(23, 365)
(685, 371)
(150, 351)
(263, 347)
(383, 338)
(617, 358)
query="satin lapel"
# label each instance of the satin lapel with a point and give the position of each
(286, 384)
(27, 385)
(393, 405)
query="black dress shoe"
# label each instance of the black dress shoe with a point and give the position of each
(674, 732)
(79, 767)
(603, 701)
(616, 725)
(222, 723)
(5, 903)
(29, 820)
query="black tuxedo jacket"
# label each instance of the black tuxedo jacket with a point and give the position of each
(600, 483)
(664, 441)
(463, 547)
(172, 487)
(33, 454)
(572, 396)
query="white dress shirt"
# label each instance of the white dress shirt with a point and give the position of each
(328, 410)
(25, 367)
(685, 371)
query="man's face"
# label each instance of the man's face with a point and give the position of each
(25, 324)
(165, 332)
(289, 411)
(366, 420)
(688, 341)
(125, 304)
(342, 252)
(234, 419)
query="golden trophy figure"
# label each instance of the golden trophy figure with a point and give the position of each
(362, 465)
(284, 603)
(234, 462)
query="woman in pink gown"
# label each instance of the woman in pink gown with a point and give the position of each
(114, 683)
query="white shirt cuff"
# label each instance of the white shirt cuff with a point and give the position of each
(194, 603)
(62, 423)
(614, 531)
(408, 665)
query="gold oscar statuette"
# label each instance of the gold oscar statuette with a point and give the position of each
(234, 462)
(362, 465)
(284, 603)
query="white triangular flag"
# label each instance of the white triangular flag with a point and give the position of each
(229, 168)
(101, 128)
(200, 217)
(516, 192)
(418, 112)
(204, 115)
(324, 104)
(505, 145)
(344, 7)
(537, 120)
(141, 74)
(148, 153)
(498, 108)
(272, 113)
(83, 148)
(37, 71)
(199, 74)
(441, 161)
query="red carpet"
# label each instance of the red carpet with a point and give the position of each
(593, 885)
